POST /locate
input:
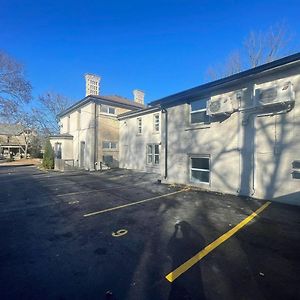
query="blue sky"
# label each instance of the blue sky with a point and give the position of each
(161, 47)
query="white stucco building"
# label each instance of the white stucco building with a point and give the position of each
(238, 135)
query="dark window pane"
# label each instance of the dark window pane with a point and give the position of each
(296, 175)
(156, 159)
(111, 110)
(200, 163)
(200, 104)
(200, 176)
(105, 144)
(296, 164)
(107, 159)
(113, 145)
(199, 117)
(103, 108)
(156, 149)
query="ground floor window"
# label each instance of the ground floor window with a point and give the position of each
(57, 150)
(153, 154)
(108, 159)
(200, 169)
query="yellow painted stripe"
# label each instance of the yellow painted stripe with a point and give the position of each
(196, 258)
(132, 203)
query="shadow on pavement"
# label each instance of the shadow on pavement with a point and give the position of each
(183, 244)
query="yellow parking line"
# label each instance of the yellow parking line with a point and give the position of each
(99, 190)
(133, 203)
(196, 258)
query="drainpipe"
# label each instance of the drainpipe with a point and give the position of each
(164, 111)
(95, 138)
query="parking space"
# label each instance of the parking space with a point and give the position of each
(78, 235)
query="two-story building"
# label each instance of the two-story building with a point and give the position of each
(14, 140)
(238, 135)
(89, 129)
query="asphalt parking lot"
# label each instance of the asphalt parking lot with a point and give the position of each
(79, 235)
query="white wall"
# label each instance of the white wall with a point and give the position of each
(133, 145)
(254, 158)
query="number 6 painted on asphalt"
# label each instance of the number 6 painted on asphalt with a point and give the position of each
(119, 233)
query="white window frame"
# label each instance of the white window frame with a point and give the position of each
(139, 125)
(197, 111)
(110, 145)
(152, 155)
(107, 110)
(199, 170)
(156, 123)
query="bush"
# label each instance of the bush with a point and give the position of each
(48, 159)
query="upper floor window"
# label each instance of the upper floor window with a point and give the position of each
(107, 109)
(109, 145)
(156, 122)
(139, 125)
(198, 112)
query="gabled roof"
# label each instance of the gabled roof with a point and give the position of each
(11, 129)
(206, 88)
(113, 100)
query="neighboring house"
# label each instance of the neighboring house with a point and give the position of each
(89, 134)
(237, 135)
(14, 139)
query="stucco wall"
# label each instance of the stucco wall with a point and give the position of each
(133, 145)
(66, 146)
(250, 155)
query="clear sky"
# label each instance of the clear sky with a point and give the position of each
(161, 47)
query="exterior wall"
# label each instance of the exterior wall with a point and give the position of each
(249, 154)
(133, 145)
(66, 146)
(108, 131)
(82, 126)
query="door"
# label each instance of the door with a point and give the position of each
(82, 154)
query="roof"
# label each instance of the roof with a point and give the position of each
(61, 136)
(181, 97)
(140, 112)
(11, 129)
(110, 100)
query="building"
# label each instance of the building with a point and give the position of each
(238, 135)
(89, 129)
(14, 140)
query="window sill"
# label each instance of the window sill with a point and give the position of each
(197, 126)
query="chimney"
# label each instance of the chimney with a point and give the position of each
(92, 82)
(138, 96)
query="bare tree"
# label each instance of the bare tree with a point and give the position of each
(15, 89)
(259, 48)
(44, 115)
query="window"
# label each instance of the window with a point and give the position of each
(57, 150)
(200, 169)
(156, 122)
(107, 109)
(108, 160)
(139, 125)
(153, 154)
(198, 112)
(109, 145)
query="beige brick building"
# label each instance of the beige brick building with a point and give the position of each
(89, 129)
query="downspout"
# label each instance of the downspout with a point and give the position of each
(166, 142)
(95, 139)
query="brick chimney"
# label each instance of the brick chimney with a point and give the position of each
(138, 96)
(92, 83)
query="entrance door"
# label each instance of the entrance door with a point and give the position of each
(82, 154)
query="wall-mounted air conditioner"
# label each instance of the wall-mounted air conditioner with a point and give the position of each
(277, 94)
(219, 106)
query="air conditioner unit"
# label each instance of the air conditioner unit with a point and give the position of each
(219, 106)
(275, 95)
